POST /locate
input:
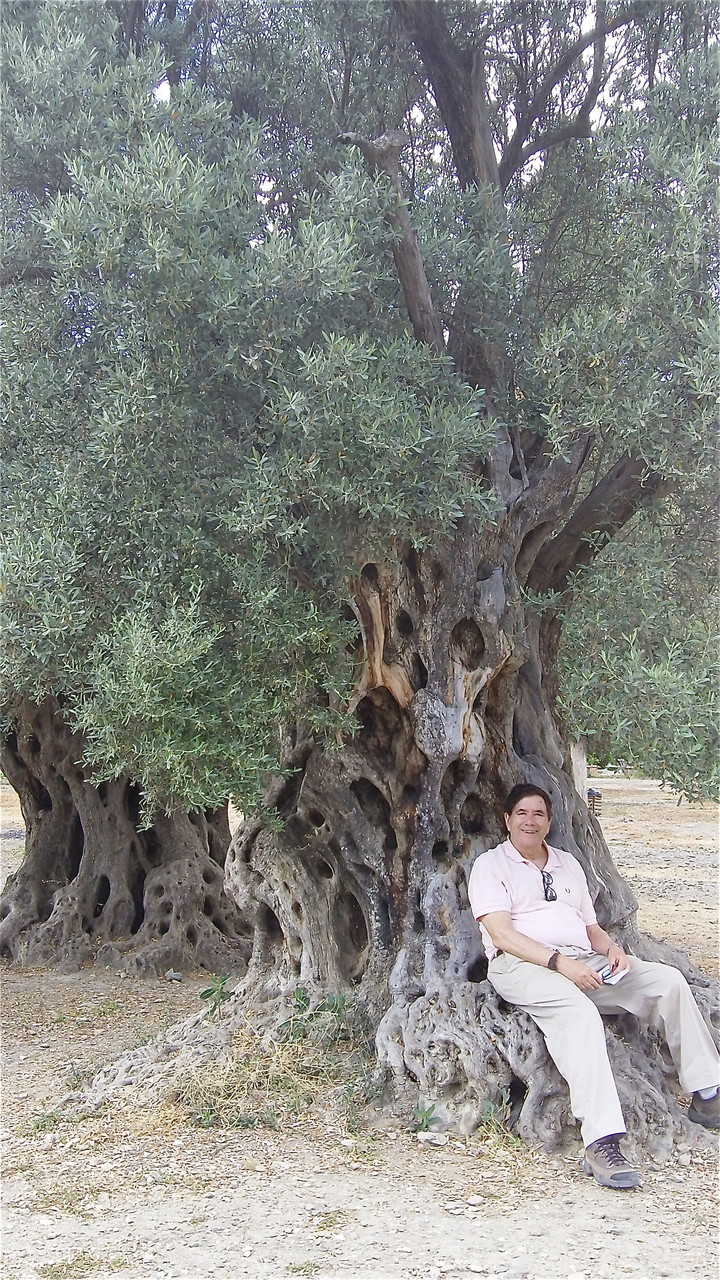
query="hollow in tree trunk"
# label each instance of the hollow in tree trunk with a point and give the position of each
(93, 885)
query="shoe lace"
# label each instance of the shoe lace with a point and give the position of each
(609, 1149)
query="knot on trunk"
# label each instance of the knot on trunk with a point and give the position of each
(380, 153)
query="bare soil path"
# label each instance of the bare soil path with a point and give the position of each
(143, 1194)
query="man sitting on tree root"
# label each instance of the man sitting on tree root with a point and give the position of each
(547, 953)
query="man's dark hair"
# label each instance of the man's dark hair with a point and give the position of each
(521, 791)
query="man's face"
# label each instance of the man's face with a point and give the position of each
(529, 821)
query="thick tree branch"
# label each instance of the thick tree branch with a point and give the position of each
(519, 148)
(564, 133)
(460, 92)
(580, 127)
(459, 88)
(483, 145)
(625, 488)
(383, 154)
(543, 502)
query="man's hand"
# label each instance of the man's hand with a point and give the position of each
(583, 977)
(617, 958)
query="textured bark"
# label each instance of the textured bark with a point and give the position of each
(92, 885)
(458, 83)
(366, 887)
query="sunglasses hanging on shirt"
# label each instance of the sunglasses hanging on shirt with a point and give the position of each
(550, 894)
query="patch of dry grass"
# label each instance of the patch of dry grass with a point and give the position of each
(75, 1268)
(61, 1196)
(331, 1220)
(262, 1082)
(317, 1062)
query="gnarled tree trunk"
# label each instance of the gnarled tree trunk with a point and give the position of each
(366, 887)
(92, 884)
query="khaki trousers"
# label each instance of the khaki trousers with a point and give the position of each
(571, 1024)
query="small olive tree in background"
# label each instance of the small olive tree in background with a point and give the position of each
(341, 340)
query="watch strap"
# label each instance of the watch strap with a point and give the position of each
(552, 962)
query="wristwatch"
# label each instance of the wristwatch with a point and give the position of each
(552, 962)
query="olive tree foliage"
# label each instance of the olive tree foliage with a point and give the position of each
(638, 659)
(344, 337)
(188, 401)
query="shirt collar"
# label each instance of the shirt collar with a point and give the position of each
(515, 855)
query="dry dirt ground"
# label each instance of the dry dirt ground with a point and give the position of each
(140, 1194)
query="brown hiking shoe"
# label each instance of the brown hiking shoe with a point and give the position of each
(606, 1163)
(705, 1111)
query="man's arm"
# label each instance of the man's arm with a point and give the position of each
(506, 938)
(604, 945)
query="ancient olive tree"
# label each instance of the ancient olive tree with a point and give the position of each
(346, 337)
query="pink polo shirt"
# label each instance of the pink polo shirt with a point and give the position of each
(502, 880)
